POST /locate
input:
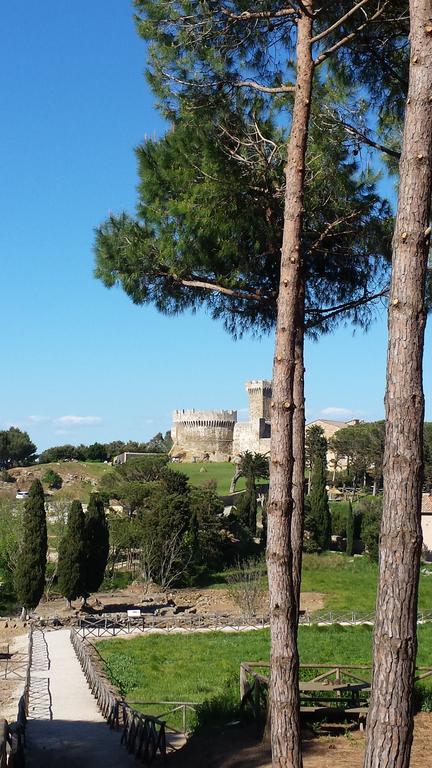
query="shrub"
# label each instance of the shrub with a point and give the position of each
(52, 479)
(6, 477)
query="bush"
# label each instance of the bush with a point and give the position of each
(52, 479)
(220, 709)
(422, 699)
(247, 586)
(370, 509)
(6, 477)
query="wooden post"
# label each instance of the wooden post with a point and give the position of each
(243, 682)
(257, 700)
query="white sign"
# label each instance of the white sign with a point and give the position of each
(134, 613)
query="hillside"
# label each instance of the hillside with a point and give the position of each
(79, 478)
(200, 473)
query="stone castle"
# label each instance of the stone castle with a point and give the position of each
(217, 435)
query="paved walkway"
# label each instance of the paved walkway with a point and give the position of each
(65, 728)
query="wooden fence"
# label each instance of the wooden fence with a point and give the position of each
(12, 735)
(142, 735)
(113, 626)
(254, 681)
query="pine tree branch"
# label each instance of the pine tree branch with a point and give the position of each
(263, 88)
(331, 226)
(370, 142)
(347, 39)
(329, 312)
(340, 21)
(247, 15)
(209, 285)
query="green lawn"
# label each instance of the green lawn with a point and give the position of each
(201, 472)
(205, 667)
(349, 584)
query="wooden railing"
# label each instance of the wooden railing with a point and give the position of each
(254, 681)
(183, 707)
(113, 626)
(143, 735)
(12, 735)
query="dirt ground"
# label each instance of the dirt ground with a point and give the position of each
(200, 601)
(238, 748)
(15, 640)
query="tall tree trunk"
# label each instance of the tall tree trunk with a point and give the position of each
(284, 693)
(390, 721)
(297, 522)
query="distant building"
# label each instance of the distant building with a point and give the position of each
(426, 524)
(122, 458)
(330, 428)
(217, 435)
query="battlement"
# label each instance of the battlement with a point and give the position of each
(193, 418)
(260, 392)
(259, 385)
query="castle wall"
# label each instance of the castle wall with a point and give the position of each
(197, 433)
(253, 436)
(217, 434)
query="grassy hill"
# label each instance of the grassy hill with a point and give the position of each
(201, 472)
(80, 478)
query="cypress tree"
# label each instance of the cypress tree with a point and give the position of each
(72, 555)
(319, 506)
(96, 543)
(30, 571)
(349, 530)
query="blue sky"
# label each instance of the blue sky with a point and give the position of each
(81, 363)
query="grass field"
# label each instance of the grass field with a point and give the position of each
(349, 584)
(205, 667)
(201, 472)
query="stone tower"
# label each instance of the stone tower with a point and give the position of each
(260, 393)
(196, 434)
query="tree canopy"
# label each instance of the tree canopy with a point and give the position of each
(16, 448)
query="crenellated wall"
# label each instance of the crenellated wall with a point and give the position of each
(199, 433)
(218, 434)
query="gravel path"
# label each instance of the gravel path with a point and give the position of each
(65, 727)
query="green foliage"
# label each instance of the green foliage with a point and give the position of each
(72, 555)
(52, 479)
(16, 448)
(318, 521)
(350, 530)
(315, 445)
(371, 511)
(29, 575)
(11, 535)
(96, 543)
(362, 446)
(6, 476)
(122, 671)
(251, 466)
(105, 451)
(339, 513)
(96, 452)
(206, 511)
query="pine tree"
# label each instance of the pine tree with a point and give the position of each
(96, 543)
(350, 530)
(320, 513)
(30, 570)
(72, 555)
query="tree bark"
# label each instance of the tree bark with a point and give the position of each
(390, 721)
(284, 693)
(297, 522)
